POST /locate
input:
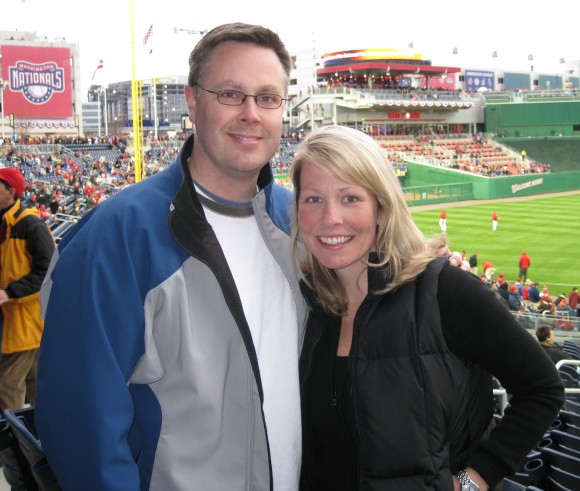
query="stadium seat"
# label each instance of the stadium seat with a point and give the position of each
(571, 371)
(566, 442)
(571, 405)
(560, 479)
(571, 348)
(511, 485)
(14, 465)
(561, 468)
(22, 426)
(570, 422)
(569, 380)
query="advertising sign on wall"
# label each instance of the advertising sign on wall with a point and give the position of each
(39, 82)
(476, 80)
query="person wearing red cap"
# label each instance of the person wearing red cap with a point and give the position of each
(26, 246)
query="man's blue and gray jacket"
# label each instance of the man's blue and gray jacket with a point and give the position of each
(148, 377)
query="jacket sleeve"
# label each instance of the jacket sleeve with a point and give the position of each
(93, 338)
(40, 246)
(478, 328)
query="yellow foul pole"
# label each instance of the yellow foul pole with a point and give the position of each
(136, 108)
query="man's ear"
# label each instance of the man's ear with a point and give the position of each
(191, 99)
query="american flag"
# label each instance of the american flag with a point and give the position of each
(148, 34)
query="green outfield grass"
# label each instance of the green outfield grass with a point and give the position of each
(547, 229)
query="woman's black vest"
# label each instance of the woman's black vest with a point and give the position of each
(419, 408)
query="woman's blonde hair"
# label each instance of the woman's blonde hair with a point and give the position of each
(354, 157)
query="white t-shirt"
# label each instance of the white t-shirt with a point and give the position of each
(271, 313)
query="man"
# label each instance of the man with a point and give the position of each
(26, 246)
(547, 339)
(494, 220)
(525, 262)
(515, 302)
(170, 357)
(534, 293)
(443, 220)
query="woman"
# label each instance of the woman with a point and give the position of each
(400, 345)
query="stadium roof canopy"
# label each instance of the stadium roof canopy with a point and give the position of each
(381, 61)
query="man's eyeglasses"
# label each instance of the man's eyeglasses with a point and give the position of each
(230, 97)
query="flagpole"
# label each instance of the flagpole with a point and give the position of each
(155, 105)
(135, 103)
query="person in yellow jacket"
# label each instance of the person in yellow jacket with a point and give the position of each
(26, 247)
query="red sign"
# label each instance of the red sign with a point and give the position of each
(39, 82)
(405, 115)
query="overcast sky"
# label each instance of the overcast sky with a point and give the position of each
(102, 29)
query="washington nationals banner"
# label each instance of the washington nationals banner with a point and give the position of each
(39, 82)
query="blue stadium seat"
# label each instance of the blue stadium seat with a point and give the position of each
(17, 473)
(511, 485)
(570, 370)
(561, 468)
(569, 422)
(571, 405)
(571, 348)
(566, 442)
(22, 426)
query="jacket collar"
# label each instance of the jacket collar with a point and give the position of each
(18, 210)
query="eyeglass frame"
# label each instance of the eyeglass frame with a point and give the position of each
(245, 96)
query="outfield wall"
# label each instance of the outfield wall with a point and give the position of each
(539, 115)
(426, 184)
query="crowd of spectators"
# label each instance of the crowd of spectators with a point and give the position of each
(474, 154)
(70, 175)
(67, 176)
(527, 296)
(530, 297)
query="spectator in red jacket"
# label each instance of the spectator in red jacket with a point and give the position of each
(525, 263)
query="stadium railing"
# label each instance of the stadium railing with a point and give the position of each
(564, 326)
(554, 462)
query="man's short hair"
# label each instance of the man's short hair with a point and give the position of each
(236, 32)
(543, 332)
